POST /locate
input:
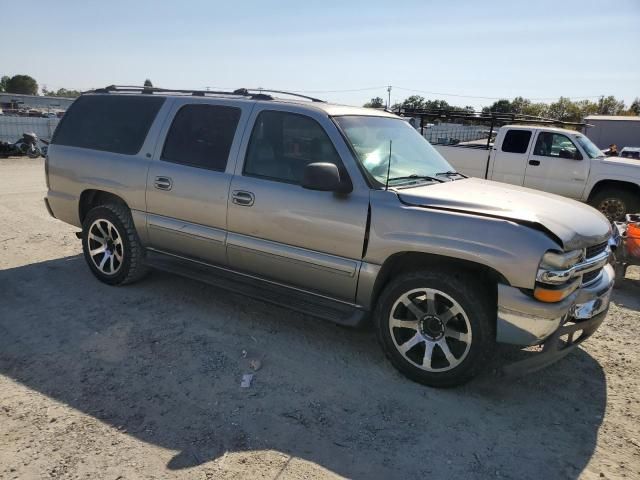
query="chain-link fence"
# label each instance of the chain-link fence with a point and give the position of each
(30, 113)
(456, 133)
(12, 127)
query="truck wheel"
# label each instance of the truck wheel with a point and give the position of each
(111, 245)
(615, 204)
(436, 327)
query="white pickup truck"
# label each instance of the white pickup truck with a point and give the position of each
(555, 160)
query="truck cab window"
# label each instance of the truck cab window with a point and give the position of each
(556, 145)
(516, 141)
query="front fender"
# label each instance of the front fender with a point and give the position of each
(511, 249)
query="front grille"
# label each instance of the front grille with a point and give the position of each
(590, 276)
(596, 249)
(591, 252)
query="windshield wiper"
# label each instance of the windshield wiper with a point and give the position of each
(450, 173)
(417, 177)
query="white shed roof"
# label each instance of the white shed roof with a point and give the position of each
(625, 118)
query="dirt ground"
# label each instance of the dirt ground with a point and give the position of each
(144, 382)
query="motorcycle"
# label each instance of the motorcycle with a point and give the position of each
(27, 145)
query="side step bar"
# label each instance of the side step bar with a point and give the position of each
(291, 298)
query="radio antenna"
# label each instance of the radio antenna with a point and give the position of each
(386, 187)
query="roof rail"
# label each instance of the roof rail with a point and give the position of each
(254, 93)
(488, 117)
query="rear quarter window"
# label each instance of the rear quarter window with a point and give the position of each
(110, 123)
(516, 141)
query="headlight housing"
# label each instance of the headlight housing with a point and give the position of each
(555, 280)
(561, 260)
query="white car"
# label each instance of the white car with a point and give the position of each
(554, 160)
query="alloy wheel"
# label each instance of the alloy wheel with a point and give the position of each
(613, 208)
(430, 329)
(105, 247)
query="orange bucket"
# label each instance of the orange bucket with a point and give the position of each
(633, 239)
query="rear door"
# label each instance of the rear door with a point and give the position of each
(279, 230)
(556, 165)
(510, 156)
(189, 177)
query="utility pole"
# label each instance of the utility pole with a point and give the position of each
(388, 97)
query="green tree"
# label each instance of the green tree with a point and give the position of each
(634, 108)
(610, 105)
(375, 102)
(438, 105)
(500, 106)
(563, 110)
(147, 83)
(520, 105)
(414, 102)
(61, 92)
(4, 81)
(539, 109)
(22, 84)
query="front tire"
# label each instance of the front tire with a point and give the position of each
(111, 245)
(436, 327)
(615, 204)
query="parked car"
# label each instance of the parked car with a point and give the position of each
(630, 152)
(554, 160)
(343, 213)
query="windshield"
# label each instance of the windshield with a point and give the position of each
(411, 155)
(589, 147)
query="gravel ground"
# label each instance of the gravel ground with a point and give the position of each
(143, 382)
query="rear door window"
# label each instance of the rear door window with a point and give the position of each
(110, 123)
(201, 136)
(516, 141)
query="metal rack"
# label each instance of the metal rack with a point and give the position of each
(253, 93)
(491, 119)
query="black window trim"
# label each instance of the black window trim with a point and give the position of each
(193, 165)
(341, 168)
(518, 130)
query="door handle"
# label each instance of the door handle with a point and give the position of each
(240, 197)
(163, 183)
(535, 163)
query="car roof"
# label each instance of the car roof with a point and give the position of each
(543, 127)
(331, 109)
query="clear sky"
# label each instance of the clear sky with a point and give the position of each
(538, 49)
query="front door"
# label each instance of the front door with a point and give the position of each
(308, 239)
(556, 166)
(188, 181)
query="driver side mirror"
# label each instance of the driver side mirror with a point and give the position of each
(324, 177)
(568, 154)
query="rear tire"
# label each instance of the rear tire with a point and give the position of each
(436, 327)
(111, 245)
(615, 204)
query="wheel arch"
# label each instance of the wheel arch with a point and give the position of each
(402, 262)
(602, 185)
(91, 198)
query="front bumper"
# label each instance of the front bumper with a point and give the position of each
(559, 327)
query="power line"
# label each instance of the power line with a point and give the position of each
(488, 98)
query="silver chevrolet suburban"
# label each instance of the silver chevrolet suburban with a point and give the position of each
(342, 213)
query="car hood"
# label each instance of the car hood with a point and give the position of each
(574, 224)
(622, 162)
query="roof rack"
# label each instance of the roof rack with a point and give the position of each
(254, 93)
(487, 117)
